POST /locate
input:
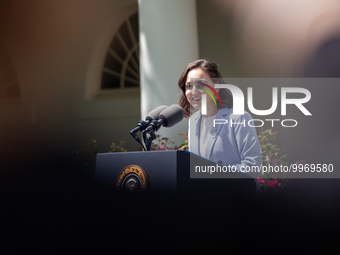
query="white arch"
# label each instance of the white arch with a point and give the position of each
(96, 62)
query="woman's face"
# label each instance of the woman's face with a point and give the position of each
(197, 80)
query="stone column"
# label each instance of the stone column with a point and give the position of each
(168, 42)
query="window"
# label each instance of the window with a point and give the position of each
(121, 66)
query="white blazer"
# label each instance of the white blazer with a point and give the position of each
(229, 144)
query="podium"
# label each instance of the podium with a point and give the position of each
(167, 171)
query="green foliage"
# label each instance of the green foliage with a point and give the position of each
(165, 144)
(184, 146)
(272, 155)
(88, 152)
(118, 148)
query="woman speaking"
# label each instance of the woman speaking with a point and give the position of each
(232, 143)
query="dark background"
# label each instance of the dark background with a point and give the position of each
(50, 203)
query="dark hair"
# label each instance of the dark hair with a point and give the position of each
(212, 69)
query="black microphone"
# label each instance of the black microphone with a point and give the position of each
(167, 118)
(153, 115)
(141, 125)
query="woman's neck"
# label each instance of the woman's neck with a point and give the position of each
(211, 111)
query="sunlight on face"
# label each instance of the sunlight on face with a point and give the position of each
(197, 80)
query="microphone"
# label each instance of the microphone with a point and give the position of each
(167, 118)
(141, 125)
(153, 115)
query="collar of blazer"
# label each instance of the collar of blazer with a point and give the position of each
(195, 123)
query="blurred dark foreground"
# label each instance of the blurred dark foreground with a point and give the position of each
(61, 209)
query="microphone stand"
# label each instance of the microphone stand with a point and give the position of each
(135, 136)
(148, 136)
(148, 140)
(154, 126)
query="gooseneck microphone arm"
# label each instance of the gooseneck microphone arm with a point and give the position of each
(135, 136)
(161, 116)
(149, 133)
(142, 125)
(154, 126)
(148, 138)
(167, 118)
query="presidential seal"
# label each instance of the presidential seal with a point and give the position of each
(132, 178)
